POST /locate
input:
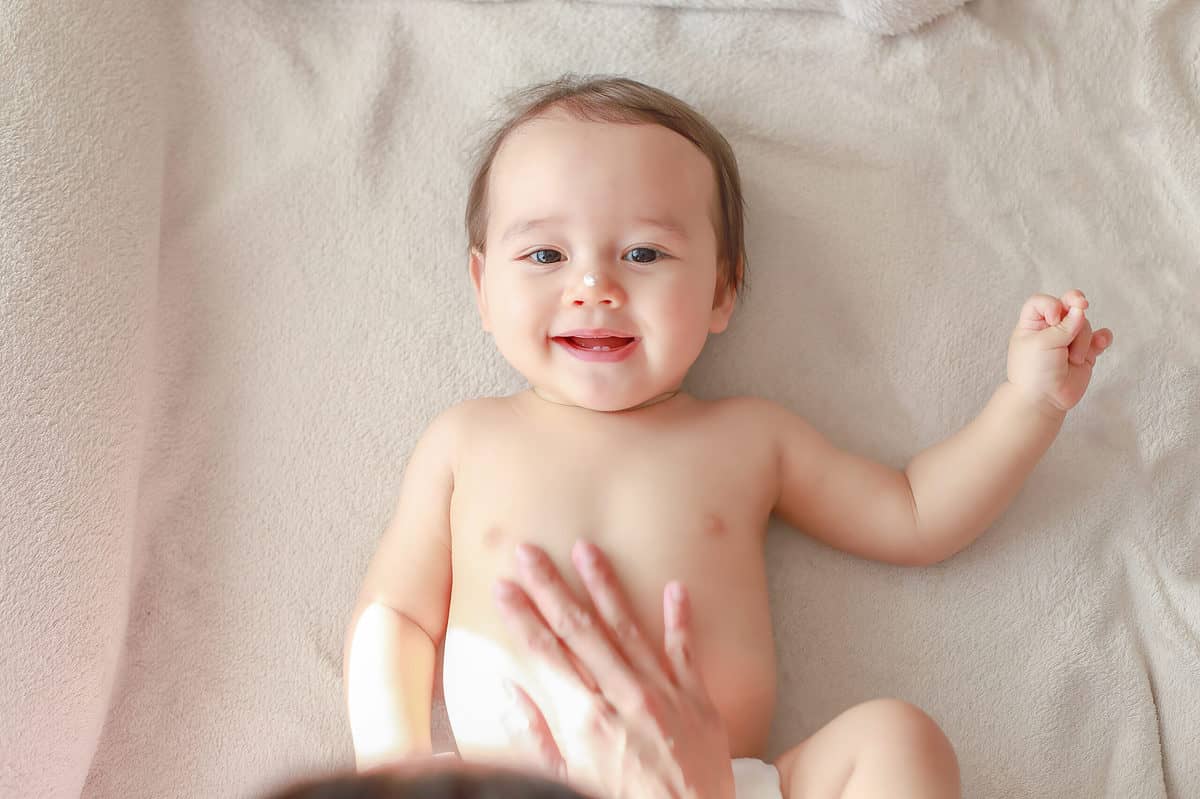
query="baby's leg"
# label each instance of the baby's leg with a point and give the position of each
(882, 748)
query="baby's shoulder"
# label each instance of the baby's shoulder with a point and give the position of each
(441, 445)
(748, 411)
(460, 421)
(750, 420)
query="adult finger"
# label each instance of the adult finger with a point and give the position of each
(614, 608)
(574, 624)
(677, 639)
(526, 623)
(525, 722)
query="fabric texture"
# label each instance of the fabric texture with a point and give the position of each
(234, 291)
(883, 17)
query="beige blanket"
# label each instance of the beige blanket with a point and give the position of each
(233, 292)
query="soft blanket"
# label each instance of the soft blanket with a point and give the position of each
(233, 292)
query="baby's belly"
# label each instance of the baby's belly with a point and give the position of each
(734, 649)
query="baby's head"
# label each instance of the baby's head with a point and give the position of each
(604, 205)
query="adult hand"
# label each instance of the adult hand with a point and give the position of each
(653, 730)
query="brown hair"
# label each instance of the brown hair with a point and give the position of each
(600, 98)
(447, 783)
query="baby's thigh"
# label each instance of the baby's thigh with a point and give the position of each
(821, 766)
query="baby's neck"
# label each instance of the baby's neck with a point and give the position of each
(666, 395)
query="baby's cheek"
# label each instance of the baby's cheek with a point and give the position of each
(516, 312)
(686, 322)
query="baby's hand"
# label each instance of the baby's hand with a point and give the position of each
(1052, 351)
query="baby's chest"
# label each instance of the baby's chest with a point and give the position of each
(658, 512)
(588, 490)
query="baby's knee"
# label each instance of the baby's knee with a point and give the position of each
(895, 723)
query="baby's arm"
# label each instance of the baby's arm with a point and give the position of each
(403, 604)
(949, 493)
(868, 509)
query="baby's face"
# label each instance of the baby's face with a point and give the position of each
(594, 192)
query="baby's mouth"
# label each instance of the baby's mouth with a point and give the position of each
(597, 344)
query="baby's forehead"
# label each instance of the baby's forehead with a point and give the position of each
(574, 143)
(566, 160)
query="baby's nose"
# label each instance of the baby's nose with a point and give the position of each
(594, 288)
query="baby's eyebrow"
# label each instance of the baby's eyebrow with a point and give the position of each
(524, 226)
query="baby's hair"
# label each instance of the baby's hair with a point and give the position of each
(446, 784)
(603, 98)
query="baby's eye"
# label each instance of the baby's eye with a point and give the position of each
(537, 260)
(645, 250)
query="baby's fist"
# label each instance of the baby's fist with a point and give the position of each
(1053, 349)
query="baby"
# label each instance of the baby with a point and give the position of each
(606, 244)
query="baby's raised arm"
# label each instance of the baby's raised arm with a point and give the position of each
(950, 492)
(400, 618)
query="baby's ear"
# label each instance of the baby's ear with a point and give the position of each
(723, 301)
(475, 266)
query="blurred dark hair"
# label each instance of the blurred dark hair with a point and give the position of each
(443, 784)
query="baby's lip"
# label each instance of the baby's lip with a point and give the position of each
(594, 332)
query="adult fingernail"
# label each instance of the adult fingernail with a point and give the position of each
(586, 552)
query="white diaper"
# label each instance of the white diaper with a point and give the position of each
(754, 779)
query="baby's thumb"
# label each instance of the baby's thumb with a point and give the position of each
(1062, 334)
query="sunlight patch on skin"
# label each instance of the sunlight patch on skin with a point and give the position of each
(373, 643)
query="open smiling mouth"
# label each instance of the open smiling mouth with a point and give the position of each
(598, 344)
(598, 348)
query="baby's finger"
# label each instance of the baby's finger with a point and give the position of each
(677, 639)
(1039, 312)
(1101, 340)
(613, 606)
(1075, 297)
(1061, 335)
(1078, 348)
